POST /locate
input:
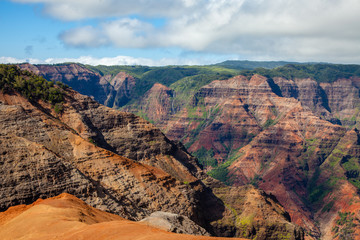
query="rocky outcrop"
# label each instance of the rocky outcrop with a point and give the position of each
(282, 159)
(76, 76)
(268, 133)
(42, 156)
(174, 223)
(124, 86)
(251, 213)
(337, 101)
(127, 135)
(308, 92)
(113, 91)
(227, 114)
(344, 101)
(156, 104)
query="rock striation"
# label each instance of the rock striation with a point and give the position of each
(113, 91)
(112, 160)
(251, 213)
(42, 156)
(273, 133)
(156, 104)
(291, 133)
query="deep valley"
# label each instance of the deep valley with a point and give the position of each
(252, 150)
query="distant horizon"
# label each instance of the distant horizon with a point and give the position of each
(100, 62)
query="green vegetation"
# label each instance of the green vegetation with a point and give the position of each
(318, 190)
(328, 207)
(333, 162)
(345, 226)
(31, 86)
(268, 123)
(254, 181)
(206, 119)
(136, 71)
(58, 108)
(188, 86)
(205, 157)
(240, 65)
(186, 79)
(351, 166)
(245, 225)
(318, 72)
(144, 116)
(221, 172)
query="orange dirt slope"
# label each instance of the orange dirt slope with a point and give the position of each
(67, 217)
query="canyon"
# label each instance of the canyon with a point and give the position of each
(56, 141)
(291, 131)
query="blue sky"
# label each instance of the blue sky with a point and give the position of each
(164, 32)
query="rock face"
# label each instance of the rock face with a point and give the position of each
(337, 101)
(282, 159)
(293, 137)
(67, 217)
(113, 91)
(251, 213)
(129, 136)
(273, 133)
(157, 103)
(123, 85)
(42, 156)
(226, 115)
(174, 223)
(114, 161)
(76, 76)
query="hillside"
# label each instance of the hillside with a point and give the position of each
(285, 130)
(112, 160)
(250, 65)
(117, 86)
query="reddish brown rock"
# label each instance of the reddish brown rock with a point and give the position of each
(156, 104)
(113, 91)
(124, 86)
(253, 214)
(78, 150)
(76, 76)
(42, 156)
(289, 140)
(227, 114)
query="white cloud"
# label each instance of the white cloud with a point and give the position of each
(127, 32)
(70, 10)
(308, 30)
(11, 60)
(86, 36)
(119, 60)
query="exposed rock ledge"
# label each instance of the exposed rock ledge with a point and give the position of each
(172, 222)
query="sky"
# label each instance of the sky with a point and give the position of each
(179, 32)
